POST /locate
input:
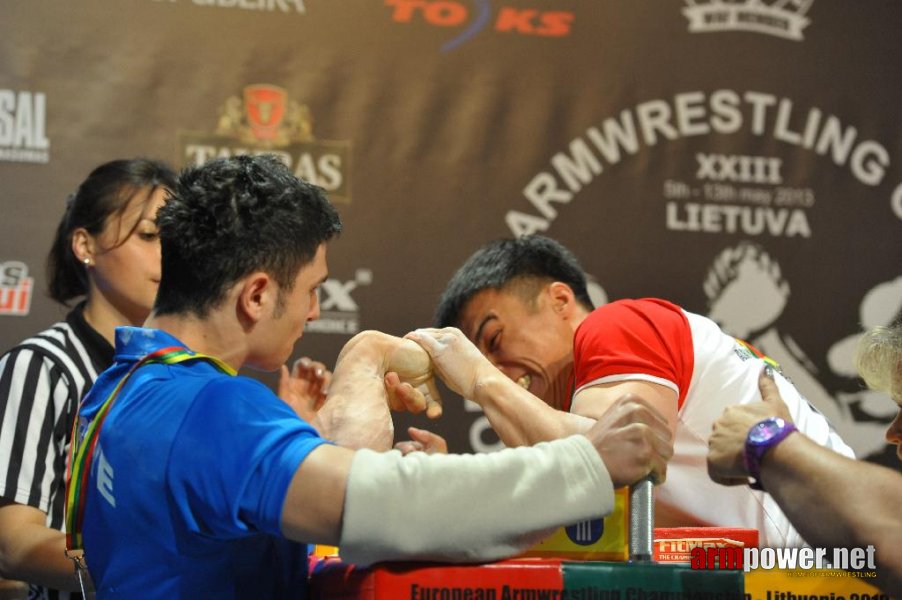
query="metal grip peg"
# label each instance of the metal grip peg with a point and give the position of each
(642, 519)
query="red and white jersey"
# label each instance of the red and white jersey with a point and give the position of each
(654, 340)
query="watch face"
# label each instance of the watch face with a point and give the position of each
(765, 430)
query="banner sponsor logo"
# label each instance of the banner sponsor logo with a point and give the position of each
(478, 16)
(16, 289)
(680, 550)
(264, 119)
(284, 6)
(23, 127)
(339, 311)
(730, 193)
(781, 18)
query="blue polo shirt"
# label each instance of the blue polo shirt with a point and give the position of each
(188, 480)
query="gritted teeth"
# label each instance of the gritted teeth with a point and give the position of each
(524, 381)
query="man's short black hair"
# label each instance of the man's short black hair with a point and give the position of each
(509, 261)
(231, 217)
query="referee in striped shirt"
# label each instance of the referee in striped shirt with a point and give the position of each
(106, 253)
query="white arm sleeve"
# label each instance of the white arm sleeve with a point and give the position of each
(469, 507)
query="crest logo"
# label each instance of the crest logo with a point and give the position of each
(265, 106)
(264, 119)
(781, 18)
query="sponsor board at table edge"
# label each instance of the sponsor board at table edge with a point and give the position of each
(469, 19)
(727, 193)
(23, 126)
(781, 18)
(16, 289)
(265, 120)
(281, 6)
(604, 539)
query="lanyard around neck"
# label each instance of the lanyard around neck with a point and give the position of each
(81, 451)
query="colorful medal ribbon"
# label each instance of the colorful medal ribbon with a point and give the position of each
(81, 452)
(758, 354)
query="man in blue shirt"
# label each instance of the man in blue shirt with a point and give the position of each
(190, 481)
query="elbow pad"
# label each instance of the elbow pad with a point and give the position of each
(469, 507)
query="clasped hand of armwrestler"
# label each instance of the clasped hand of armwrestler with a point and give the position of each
(632, 437)
(409, 381)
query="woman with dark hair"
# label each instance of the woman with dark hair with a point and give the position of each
(106, 252)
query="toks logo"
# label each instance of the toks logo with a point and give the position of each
(15, 288)
(781, 18)
(264, 120)
(453, 13)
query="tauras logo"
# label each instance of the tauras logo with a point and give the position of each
(16, 288)
(781, 18)
(339, 311)
(265, 120)
(23, 127)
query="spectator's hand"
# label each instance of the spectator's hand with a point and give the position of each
(409, 380)
(457, 360)
(726, 446)
(633, 439)
(305, 386)
(423, 441)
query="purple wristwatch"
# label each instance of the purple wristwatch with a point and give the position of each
(763, 436)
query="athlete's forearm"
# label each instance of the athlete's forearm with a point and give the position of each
(519, 418)
(410, 508)
(35, 553)
(836, 501)
(356, 413)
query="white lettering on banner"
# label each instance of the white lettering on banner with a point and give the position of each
(726, 218)
(746, 169)
(324, 170)
(264, 5)
(696, 113)
(23, 127)
(781, 19)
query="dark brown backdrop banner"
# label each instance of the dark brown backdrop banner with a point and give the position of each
(741, 159)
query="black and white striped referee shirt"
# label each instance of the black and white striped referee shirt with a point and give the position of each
(41, 382)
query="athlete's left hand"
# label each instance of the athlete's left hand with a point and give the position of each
(422, 440)
(305, 386)
(726, 445)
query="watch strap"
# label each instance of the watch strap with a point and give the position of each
(756, 450)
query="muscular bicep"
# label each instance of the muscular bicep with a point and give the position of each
(594, 401)
(314, 504)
